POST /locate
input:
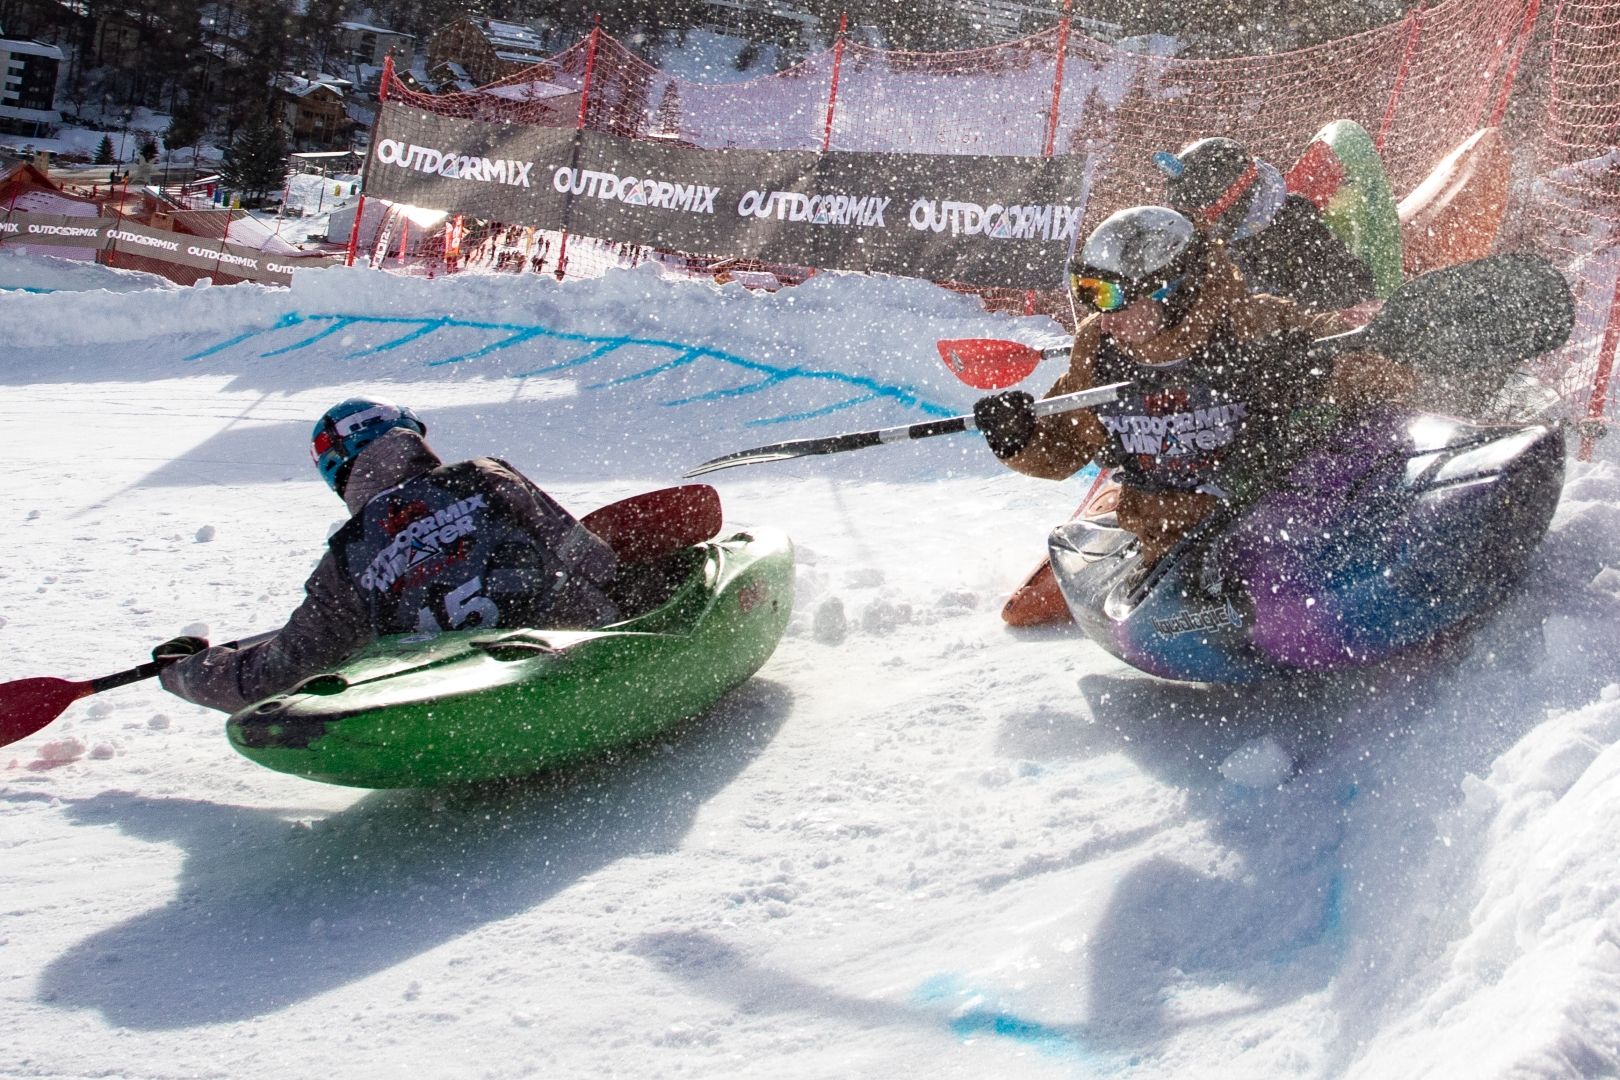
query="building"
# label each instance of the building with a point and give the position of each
(28, 87)
(314, 110)
(365, 45)
(483, 50)
(1004, 20)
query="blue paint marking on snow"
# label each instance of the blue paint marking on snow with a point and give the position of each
(25, 288)
(597, 347)
(976, 1022)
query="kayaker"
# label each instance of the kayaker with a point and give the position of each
(429, 547)
(1222, 395)
(1277, 239)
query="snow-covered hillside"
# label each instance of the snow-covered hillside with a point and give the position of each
(918, 843)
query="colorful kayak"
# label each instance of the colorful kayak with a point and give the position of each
(1393, 531)
(1453, 216)
(1342, 173)
(475, 705)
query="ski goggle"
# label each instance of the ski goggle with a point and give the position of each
(1102, 295)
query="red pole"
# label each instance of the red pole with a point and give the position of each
(1052, 115)
(1530, 14)
(584, 103)
(1412, 35)
(1600, 381)
(1057, 80)
(838, 65)
(360, 206)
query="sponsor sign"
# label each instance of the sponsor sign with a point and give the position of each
(129, 238)
(981, 220)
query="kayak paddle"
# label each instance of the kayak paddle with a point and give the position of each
(990, 364)
(26, 705)
(639, 529)
(859, 440)
(1489, 312)
(649, 526)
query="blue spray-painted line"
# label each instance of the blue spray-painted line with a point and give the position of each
(578, 361)
(975, 1022)
(319, 335)
(495, 346)
(422, 331)
(600, 346)
(686, 359)
(26, 288)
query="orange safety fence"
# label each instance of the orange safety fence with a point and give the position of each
(1421, 86)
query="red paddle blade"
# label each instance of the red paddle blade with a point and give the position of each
(657, 523)
(989, 364)
(1317, 175)
(29, 704)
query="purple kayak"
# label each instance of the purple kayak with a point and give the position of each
(1396, 529)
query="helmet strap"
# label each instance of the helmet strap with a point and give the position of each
(1231, 195)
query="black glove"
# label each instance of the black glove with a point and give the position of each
(1007, 420)
(179, 648)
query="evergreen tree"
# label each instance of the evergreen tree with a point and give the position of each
(186, 126)
(255, 163)
(104, 151)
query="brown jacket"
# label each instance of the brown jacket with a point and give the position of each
(1064, 443)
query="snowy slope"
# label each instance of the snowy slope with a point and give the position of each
(917, 844)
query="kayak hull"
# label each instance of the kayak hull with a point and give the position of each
(1386, 538)
(478, 705)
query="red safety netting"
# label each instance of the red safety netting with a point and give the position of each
(1420, 86)
(1571, 208)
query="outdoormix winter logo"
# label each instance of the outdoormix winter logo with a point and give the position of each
(453, 166)
(864, 211)
(635, 191)
(1035, 222)
(421, 539)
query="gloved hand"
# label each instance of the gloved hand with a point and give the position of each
(1007, 420)
(178, 648)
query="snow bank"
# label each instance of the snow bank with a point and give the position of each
(917, 843)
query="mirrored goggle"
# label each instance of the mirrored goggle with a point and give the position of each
(1102, 295)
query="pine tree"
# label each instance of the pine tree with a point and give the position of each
(255, 163)
(104, 151)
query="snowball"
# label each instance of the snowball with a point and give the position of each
(61, 751)
(205, 534)
(1260, 763)
(830, 625)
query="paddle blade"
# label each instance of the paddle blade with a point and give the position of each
(989, 364)
(658, 523)
(27, 705)
(1488, 313)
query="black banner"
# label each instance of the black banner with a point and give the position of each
(129, 238)
(980, 220)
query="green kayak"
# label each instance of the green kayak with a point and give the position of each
(465, 706)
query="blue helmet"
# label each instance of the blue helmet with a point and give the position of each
(348, 426)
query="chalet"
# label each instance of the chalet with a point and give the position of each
(315, 110)
(364, 45)
(28, 87)
(483, 50)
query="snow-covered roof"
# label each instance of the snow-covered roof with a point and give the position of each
(534, 90)
(366, 28)
(19, 47)
(513, 35)
(302, 86)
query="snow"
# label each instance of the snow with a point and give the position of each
(918, 843)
